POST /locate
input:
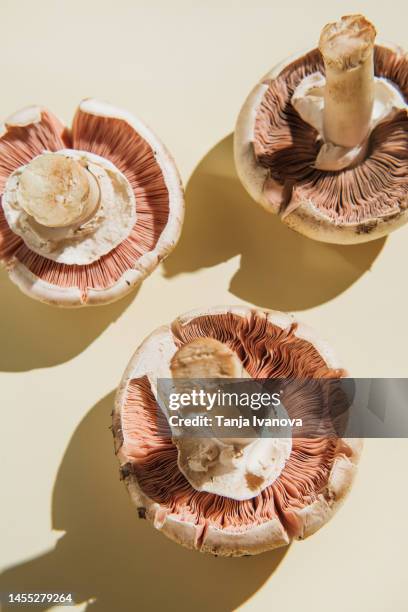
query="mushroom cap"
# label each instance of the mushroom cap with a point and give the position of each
(116, 135)
(277, 168)
(270, 344)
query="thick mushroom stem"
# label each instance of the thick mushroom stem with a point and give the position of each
(200, 459)
(214, 464)
(206, 358)
(209, 358)
(235, 467)
(347, 47)
(57, 191)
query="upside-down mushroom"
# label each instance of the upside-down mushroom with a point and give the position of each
(229, 496)
(322, 140)
(86, 213)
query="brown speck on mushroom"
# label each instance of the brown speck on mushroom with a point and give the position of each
(254, 481)
(366, 228)
(141, 513)
(125, 471)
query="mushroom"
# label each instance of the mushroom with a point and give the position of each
(88, 212)
(228, 496)
(322, 140)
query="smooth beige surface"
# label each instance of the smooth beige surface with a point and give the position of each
(185, 67)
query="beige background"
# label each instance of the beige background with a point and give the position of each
(185, 67)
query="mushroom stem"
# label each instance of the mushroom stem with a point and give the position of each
(235, 467)
(57, 191)
(347, 47)
(209, 358)
(206, 358)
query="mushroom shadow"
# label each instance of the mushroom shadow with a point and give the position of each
(113, 560)
(35, 335)
(279, 268)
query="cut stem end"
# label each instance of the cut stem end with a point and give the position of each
(57, 191)
(347, 47)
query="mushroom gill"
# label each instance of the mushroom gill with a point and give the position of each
(301, 498)
(376, 187)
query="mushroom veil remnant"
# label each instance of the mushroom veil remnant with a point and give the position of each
(322, 140)
(88, 212)
(229, 496)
